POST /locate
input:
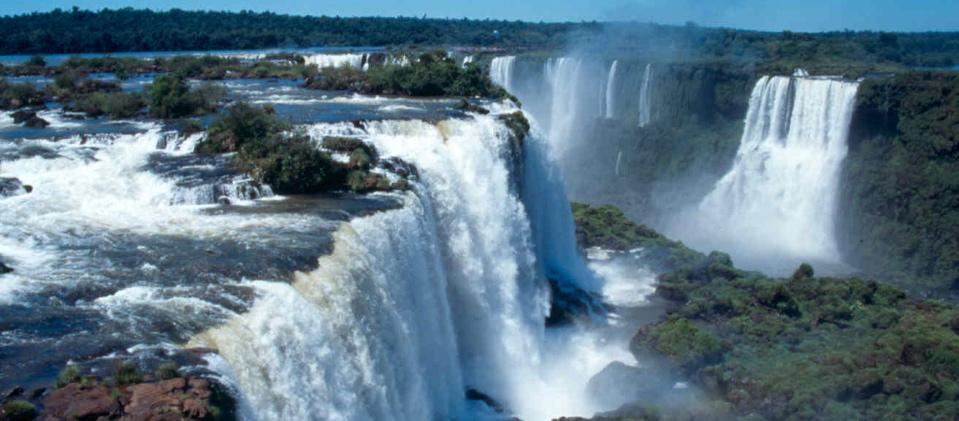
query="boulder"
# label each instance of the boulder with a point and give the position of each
(619, 384)
(4, 268)
(13, 187)
(470, 107)
(36, 123)
(22, 116)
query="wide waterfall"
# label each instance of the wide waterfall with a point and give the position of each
(780, 195)
(501, 71)
(418, 304)
(611, 90)
(355, 60)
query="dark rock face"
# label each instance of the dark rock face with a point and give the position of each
(36, 123)
(21, 116)
(4, 268)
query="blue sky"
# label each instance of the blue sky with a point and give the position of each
(775, 15)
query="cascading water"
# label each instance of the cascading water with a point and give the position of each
(354, 60)
(417, 304)
(645, 106)
(563, 75)
(611, 90)
(501, 71)
(781, 191)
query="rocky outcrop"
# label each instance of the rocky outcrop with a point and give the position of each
(178, 398)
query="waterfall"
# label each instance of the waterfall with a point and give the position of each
(611, 90)
(563, 75)
(501, 72)
(354, 60)
(645, 108)
(417, 304)
(781, 191)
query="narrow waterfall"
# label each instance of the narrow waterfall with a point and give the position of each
(611, 90)
(782, 189)
(501, 71)
(419, 303)
(645, 108)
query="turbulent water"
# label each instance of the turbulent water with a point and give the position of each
(780, 195)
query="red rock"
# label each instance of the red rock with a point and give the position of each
(75, 401)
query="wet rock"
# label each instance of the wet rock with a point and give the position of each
(476, 395)
(13, 187)
(619, 383)
(23, 116)
(13, 392)
(36, 123)
(81, 402)
(569, 304)
(4, 268)
(469, 107)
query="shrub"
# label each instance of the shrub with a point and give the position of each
(127, 373)
(170, 96)
(69, 374)
(168, 371)
(115, 105)
(16, 95)
(19, 410)
(241, 124)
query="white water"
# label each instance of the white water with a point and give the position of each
(611, 90)
(501, 71)
(780, 196)
(417, 304)
(645, 106)
(563, 75)
(354, 60)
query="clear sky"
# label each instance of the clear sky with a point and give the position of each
(774, 15)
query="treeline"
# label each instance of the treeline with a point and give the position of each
(128, 29)
(826, 50)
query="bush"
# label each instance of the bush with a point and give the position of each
(168, 371)
(240, 125)
(126, 373)
(19, 410)
(170, 96)
(69, 374)
(682, 343)
(115, 105)
(17, 95)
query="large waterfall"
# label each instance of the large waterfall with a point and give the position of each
(780, 195)
(418, 304)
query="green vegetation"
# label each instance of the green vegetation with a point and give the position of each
(126, 373)
(17, 95)
(428, 74)
(170, 96)
(901, 178)
(19, 410)
(274, 153)
(107, 30)
(69, 374)
(168, 371)
(608, 227)
(803, 348)
(115, 105)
